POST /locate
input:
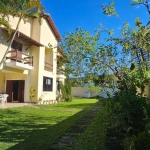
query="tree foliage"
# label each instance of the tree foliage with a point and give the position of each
(66, 90)
(124, 59)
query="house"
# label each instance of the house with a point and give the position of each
(30, 61)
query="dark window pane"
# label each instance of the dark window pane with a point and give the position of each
(47, 84)
(16, 45)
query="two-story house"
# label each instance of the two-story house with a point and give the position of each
(30, 61)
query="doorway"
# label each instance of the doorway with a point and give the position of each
(15, 90)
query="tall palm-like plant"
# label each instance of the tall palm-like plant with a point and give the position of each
(4, 16)
(22, 9)
(6, 24)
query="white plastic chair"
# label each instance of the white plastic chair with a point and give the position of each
(5, 97)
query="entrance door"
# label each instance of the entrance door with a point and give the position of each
(15, 90)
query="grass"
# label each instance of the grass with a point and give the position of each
(94, 138)
(39, 127)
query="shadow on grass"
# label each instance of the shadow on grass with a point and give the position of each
(28, 134)
(85, 105)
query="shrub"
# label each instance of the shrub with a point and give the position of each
(32, 93)
(66, 90)
(129, 119)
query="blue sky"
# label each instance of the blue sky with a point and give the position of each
(87, 14)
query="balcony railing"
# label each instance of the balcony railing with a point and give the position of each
(60, 72)
(17, 56)
(48, 67)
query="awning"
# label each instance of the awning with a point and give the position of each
(25, 38)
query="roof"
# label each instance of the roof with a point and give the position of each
(53, 27)
(24, 37)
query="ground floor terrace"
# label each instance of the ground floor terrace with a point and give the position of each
(18, 85)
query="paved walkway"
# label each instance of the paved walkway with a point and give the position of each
(11, 105)
(69, 138)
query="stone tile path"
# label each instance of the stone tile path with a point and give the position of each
(11, 105)
(70, 137)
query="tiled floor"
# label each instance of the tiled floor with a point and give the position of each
(11, 105)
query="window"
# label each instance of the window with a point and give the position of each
(47, 84)
(16, 45)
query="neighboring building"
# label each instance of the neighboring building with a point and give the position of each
(30, 61)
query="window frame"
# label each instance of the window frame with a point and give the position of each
(47, 84)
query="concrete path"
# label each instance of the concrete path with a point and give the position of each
(69, 138)
(11, 105)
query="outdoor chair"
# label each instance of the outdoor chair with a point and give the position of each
(5, 97)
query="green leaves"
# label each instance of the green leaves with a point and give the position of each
(78, 46)
(135, 0)
(138, 1)
(6, 24)
(110, 9)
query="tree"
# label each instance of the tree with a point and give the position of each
(128, 107)
(135, 43)
(22, 9)
(6, 24)
(4, 17)
(89, 57)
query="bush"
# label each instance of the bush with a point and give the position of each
(129, 119)
(66, 90)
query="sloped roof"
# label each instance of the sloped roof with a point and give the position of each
(24, 37)
(53, 27)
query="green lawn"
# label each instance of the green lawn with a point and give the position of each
(38, 127)
(94, 138)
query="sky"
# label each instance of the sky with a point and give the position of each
(87, 14)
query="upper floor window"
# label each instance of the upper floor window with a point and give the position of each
(47, 84)
(17, 45)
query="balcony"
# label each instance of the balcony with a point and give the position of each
(48, 67)
(60, 75)
(20, 60)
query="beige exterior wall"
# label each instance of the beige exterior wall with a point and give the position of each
(2, 82)
(36, 30)
(24, 27)
(15, 76)
(78, 92)
(3, 44)
(81, 92)
(48, 55)
(47, 36)
(34, 73)
(44, 35)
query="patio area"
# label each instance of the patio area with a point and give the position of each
(11, 105)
